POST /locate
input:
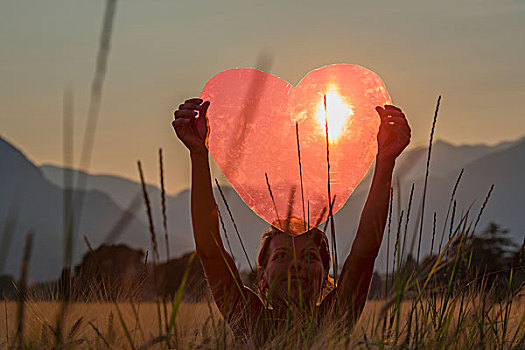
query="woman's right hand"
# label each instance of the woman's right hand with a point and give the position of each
(190, 129)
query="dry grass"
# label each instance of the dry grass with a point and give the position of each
(195, 327)
(40, 318)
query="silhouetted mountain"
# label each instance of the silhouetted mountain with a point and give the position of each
(504, 167)
(121, 190)
(445, 157)
(37, 205)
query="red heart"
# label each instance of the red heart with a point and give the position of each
(252, 119)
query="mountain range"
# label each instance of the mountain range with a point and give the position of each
(113, 209)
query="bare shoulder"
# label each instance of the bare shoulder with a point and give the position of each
(247, 305)
(326, 307)
(350, 294)
(254, 299)
(246, 317)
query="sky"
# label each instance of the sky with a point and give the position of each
(162, 52)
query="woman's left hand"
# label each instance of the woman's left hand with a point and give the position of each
(394, 133)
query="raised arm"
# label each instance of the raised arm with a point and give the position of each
(392, 138)
(223, 277)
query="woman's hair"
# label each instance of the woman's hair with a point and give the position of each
(295, 226)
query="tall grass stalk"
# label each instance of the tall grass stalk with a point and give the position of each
(99, 334)
(322, 214)
(433, 234)
(271, 196)
(95, 100)
(67, 188)
(388, 239)
(300, 169)
(153, 237)
(407, 220)
(452, 219)
(67, 210)
(234, 225)
(330, 205)
(138, 327)
(22, 291)
(178, 299)
(163, 204)
(87, 146)
(225, 234)
(165, 226)
(397, 246)
(124, 327)
(482, 208)
(426, 175)
(449, 207)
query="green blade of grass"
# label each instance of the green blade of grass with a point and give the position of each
(178, 296)
(124, 327)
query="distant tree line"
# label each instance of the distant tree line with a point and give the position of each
(118, 273)
(485, 262)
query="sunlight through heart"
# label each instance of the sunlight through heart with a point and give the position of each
(253, 118)
(337, 112)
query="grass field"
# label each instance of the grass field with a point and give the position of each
(473, 325)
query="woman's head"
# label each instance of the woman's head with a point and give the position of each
(292, 263)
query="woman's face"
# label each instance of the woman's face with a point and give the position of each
(304, 269)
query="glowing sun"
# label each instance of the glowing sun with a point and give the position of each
(337, 111)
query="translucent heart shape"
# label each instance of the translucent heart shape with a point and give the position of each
(254, 118)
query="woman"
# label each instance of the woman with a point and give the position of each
(293, 281)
